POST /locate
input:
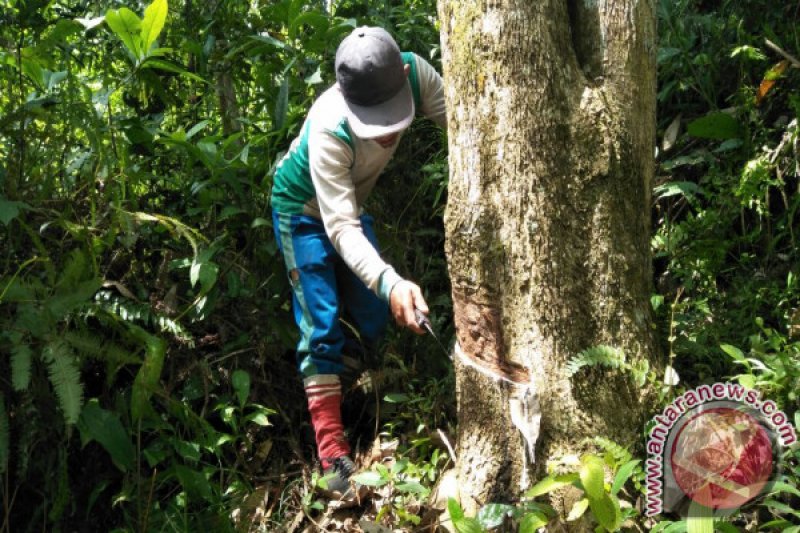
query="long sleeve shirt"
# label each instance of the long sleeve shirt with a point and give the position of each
(328, 173)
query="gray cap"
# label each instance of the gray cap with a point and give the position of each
(372, 79)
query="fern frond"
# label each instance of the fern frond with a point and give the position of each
(74, 270)
(27, 428)
(71, 297)
(600, 355)
(620, 454)
(3, 434)
(142, 314)
(96, 348)
(21, 357)
(20, 290)
(65, 378)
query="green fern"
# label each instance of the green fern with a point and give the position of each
(600, 355)
(3, 434)
(71, 297)
(620, 454)
(97, 348)
(20, 290)
(65, 378)
(142, 314)
(21, 358)
(73, 270)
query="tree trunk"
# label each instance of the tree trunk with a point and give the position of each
(551, 114)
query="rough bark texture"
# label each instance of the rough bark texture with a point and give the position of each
(551, 110)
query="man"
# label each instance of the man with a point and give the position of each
(328, 244)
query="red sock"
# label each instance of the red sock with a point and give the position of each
(324, 394)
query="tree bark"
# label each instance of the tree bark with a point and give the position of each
(551, 116)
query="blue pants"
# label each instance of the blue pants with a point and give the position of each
(324, 289)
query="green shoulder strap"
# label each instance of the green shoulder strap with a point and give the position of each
(413, 77)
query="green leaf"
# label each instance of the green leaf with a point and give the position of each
(747, 380)
(230, 211)
(454, 509)
(674, 188)
(700, 519)
(531, 522)
(272, 41)
(675, 527)
(592, 474)
(32, 68)
(10, 210)
(21, 358)
(149, 373)
(623, 474)
(258, 222)
(187, 450)
(126, 25)
(493, 514)
(578, 509)
(601, 355)
(154, 17)
(606, 510)
(735, 353)
(551, 483)
(169, 66)
(281, 106)
(411, 487)
(69, 297)
(780, 486)
(194, 483)
(65, 378)
(204, 271)
(396, 397)
(98, 424)
(718, 125)
(780, 506)
(726, 527)
(241, 384)
(371, 479)
(467, 525)
(260, 418)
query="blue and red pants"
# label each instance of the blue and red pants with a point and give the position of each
(324, 289)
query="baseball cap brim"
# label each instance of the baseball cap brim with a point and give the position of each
(389, 117)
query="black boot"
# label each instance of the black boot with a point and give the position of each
(338, 475)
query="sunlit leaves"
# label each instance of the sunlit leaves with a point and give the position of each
(138, 35)
(154, 17)
(127, 26)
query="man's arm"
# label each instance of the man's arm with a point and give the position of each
(431, 91)
(330, 160)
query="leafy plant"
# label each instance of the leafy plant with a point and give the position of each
(609, 357)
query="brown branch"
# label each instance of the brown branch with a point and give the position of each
(793, 60)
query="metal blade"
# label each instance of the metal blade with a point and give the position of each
(424, 322)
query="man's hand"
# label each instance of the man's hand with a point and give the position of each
(404, 298)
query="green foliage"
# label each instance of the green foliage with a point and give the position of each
(103, 426)
(601, 355)
(601, 499)
(772, 366)
(139, 272)
(609, 357)
(65, 378)
(528, 517)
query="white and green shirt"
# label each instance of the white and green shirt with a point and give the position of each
(328, 173)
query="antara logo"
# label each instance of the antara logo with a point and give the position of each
(717, 445)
